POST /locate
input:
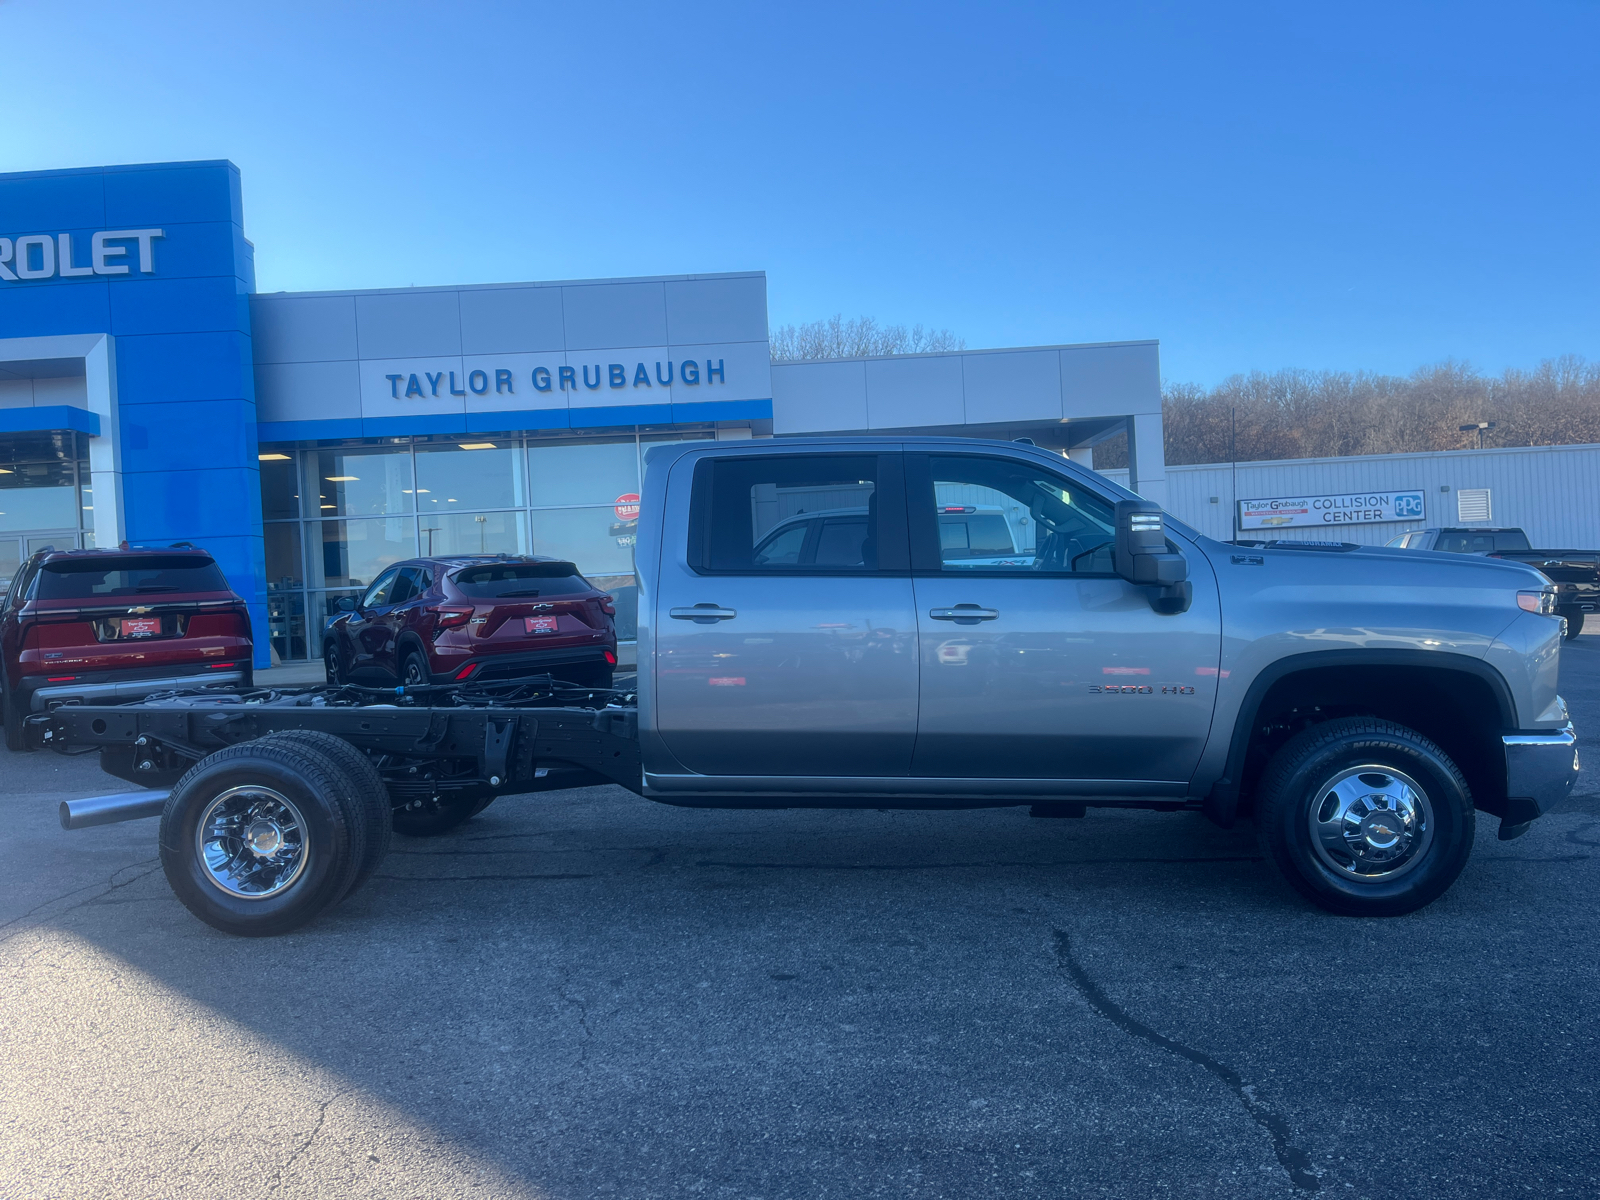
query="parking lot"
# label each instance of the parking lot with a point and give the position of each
(587, 994)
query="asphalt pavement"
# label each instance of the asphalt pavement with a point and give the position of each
(586, 994)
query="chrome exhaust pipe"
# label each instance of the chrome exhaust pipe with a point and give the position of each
(108, 810)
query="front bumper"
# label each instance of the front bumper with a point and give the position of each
(1540, 771)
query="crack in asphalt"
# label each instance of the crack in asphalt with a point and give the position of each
(322, 1117)
(1294, 1160)
(109, 888)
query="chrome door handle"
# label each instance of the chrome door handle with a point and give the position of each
(964, 614)
(703, 614)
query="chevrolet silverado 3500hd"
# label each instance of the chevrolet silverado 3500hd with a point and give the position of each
(1361, 705)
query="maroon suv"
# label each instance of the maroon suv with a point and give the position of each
(93, 625)
(474, 618)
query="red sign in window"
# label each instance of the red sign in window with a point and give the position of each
(539, 624)
(627, 506)
(140, 626)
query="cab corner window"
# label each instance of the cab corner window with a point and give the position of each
(1007, 515)
(801, 513)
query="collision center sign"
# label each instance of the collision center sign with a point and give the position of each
(1360, 508)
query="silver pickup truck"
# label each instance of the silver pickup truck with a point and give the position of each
(1361, 703)
(913, 623)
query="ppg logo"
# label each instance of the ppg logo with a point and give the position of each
(1408, 505)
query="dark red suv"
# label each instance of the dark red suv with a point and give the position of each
(476, 618)
(96, 624)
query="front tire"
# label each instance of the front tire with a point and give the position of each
(1574, 625)
(333, 665)
(1365, 817)
(260, 838)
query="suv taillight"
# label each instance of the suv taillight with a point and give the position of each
(452, 616)
(608, 605)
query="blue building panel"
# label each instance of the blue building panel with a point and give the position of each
(179, 305)
(176, 437)
(173, 193)
(44, 418)
(167, 506)
(42, 310)
(164, 368)
(48, 201)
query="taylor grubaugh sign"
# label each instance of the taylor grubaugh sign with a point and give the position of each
(1356, 508)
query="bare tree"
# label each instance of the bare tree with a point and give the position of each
(857, 337)
(1328, 414)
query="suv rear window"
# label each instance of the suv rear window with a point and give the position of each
(148, 575)
(493, 580)
(1487, 541)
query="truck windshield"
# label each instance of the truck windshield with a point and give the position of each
(147, 575)
(495, 580)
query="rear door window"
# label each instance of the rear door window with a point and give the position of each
(521, 581)
(113, 578)
(798, 513)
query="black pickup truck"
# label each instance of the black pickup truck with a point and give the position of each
(1576, 573)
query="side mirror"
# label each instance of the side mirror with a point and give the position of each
(345, 604)
(1142, 556)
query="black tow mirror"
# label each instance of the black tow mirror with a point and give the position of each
(1143, 556)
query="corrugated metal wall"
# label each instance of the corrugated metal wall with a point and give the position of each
(1553, 492)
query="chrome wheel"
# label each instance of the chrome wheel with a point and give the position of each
(1371, 823)
(252, 842)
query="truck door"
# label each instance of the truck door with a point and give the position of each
(792, 654)
(1038, 662)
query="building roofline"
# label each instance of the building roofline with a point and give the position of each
(805, 362)
(529, 283)
(119, 169)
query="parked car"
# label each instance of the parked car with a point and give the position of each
(1576, 573)
(476, 618)
(97, 625)
(1462, 541)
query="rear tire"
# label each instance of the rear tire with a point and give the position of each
(414, 669)
(260, 838)
(16, 736)
(363, 782)
(1574, 625)
(1365, 818)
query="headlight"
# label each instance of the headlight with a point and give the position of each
(1542, 602)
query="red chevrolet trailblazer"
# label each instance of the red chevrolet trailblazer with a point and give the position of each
(91, 625)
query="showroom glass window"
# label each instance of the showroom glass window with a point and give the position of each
(336, 517)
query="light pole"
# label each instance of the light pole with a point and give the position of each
(483, 527)
(1480, 426)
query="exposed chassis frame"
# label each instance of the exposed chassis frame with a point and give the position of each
(486, 751)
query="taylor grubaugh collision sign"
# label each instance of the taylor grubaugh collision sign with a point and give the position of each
(1357, 508)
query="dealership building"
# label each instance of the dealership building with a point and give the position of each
(149, 394)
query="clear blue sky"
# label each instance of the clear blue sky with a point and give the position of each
(1348, 186)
